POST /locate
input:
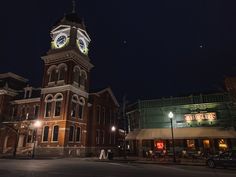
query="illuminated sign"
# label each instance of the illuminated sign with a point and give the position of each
(200, 116)
(160, 145)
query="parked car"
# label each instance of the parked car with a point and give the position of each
(226, 159)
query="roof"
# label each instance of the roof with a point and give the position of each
(110, 92)
(12, 75)
(181, 133)
(71, 18)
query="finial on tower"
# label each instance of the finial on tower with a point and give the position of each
(73, 6)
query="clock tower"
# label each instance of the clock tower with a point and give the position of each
(65, 87)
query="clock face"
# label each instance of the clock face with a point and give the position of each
(60, 40)
(82, 45)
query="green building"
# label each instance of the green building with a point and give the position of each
(200, 123)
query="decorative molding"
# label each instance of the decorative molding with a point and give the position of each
(12, 75)
(9, 92)
(22, 101)
(68, 55)
(61, 28)
(63, 88)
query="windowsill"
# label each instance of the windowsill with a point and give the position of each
(75, 84)
(54, 141)
(55, 117)
(50, 84)
(45, 142)
(60, 82)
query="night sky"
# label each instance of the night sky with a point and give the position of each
(144, 49)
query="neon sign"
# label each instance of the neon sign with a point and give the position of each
(200, 116)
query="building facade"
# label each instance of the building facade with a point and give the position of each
(200, 123)
(61, 105)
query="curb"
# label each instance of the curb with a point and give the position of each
(144, 162)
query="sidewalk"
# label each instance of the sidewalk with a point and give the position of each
(162, 161)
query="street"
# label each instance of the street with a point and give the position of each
(72, 167)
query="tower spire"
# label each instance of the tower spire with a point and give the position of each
(73, 6)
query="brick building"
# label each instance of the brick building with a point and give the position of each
(64, 106)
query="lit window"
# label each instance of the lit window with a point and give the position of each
(190, 144)
(222, 144)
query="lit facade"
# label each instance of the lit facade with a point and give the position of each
(201, 123)
(62, 104)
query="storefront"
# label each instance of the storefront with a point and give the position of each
(210, 139)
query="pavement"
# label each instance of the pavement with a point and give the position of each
(128, 159)
(163, 161)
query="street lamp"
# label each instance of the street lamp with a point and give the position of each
(36, 125)
(171, 115)
(113, 128)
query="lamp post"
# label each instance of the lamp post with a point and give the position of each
(36, 125)
(171, 115)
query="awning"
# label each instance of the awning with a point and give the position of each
(181, 133)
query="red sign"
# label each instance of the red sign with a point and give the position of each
(160, 145)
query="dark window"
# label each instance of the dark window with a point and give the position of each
(53, 76)
(97, 136)
(36, 111)
(62, 73)
(98, 114)
(48, 109)
(83, 79)
(45, 133)
(78, 134)
(58, 108)
(71, 133)
(73, 109)
(81, 111)
(55, 133)
(76, 75)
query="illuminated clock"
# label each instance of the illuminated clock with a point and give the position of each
(82, 45)
(60, 40)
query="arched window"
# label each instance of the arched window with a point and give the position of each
(52, 72)
(55, 133)
(48, 106)
(71, 133)
(81, 107)
(45, 133)
(76, 77)
(83, 78)
(73, 105)
(58, 103)
(62, 71)
(78, 133)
